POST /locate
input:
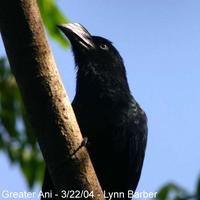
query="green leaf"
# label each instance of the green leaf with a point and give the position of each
(52, 16)
(16, 136)
(198, 189)
(171, 191)
(32, 166)
(163, 193)
(8, 90)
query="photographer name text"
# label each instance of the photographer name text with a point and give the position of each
(75, 194)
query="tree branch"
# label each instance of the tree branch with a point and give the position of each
(44, 97)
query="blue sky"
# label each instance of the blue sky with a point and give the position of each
(160, 44)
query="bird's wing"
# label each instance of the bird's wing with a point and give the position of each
(137, 145)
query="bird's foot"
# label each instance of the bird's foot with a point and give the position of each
(84, 143)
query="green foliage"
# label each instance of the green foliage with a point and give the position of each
(173, 191)
(198, 189)
(52, 16)
(16, 137)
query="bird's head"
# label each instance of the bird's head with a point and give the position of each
(92, 50)
(101, 70)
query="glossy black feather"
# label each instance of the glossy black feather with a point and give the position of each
(107, 113)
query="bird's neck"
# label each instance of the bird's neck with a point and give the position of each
(102, 87)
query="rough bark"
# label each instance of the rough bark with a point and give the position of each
(45, 99)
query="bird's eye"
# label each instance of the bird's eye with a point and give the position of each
(103, 46)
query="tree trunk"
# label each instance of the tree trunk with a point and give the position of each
(45, 99)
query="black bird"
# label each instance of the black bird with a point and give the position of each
(107, 113)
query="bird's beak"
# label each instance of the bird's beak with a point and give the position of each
(77, 35)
